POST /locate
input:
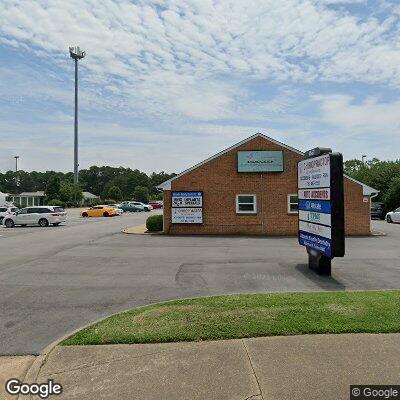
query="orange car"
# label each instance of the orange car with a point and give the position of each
(99, 211)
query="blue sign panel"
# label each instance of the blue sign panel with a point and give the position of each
(318, 243)
(186, 194)
(315, 205)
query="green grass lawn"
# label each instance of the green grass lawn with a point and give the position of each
(239, 316)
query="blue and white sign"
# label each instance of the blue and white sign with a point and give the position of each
(187, 199)
(318, 243)
(315, 205)
(315, 219)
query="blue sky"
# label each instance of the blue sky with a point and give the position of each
(166, 84)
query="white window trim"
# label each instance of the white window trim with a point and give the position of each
(246, 212)
(289, 203)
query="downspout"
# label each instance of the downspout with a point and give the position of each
(370, 220)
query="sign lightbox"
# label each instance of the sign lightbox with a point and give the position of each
(321, 204)
(260, 161)
(187, 207)
(187, 215)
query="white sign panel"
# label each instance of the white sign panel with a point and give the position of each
(187, 199)
(314, 172)
(320, 230)
(315, 194)
(315, 217)
(187, 216)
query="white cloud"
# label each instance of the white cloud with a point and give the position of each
(207, 71)
(370, 116)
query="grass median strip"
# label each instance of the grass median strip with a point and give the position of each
(239, 316)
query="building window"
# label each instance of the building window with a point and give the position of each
(246, 204)
(293, 204)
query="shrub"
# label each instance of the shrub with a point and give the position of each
(56, 202)
(154, 223)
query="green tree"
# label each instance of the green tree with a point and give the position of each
(141, 193)
(392, 196)
(68, 192)
(114, 192)
(53, 188)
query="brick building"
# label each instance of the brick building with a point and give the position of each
(234, 199)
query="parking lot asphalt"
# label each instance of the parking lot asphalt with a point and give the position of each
(54, 280)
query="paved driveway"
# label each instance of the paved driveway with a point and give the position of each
(54, 280)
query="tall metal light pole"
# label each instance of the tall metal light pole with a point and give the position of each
(363, 157)
(16, 171)
(76, 53)
(16, 163)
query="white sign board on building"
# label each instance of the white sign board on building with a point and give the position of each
(187, 215)
(187, 207)
(187, 199)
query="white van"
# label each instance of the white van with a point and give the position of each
(39, 215)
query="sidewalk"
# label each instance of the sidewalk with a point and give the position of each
(293, 367)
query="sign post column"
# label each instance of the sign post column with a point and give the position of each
(321, 207)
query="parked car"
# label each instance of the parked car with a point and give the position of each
(131, 207)
(156, 204)
(99, 211)
(378, 210)
(117, 207)
(39, 215)
(146, 207)
(4, 211)
(393, 216)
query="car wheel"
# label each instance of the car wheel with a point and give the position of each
(84, 215)
(389, 219)
(56, 223)
(9, 223)
(105, 214)
(43, 222)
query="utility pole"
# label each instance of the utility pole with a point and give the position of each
(363, 157)
(76, 53)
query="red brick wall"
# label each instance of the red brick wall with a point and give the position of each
(220, 183)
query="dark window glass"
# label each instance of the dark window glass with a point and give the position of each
(44, 210)
(58, 209)
(2, 209)
(245, 199)
(246, 207)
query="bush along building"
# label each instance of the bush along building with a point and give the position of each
(250, 188)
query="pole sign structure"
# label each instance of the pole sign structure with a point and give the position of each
(321, 207)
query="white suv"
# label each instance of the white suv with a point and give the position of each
(4, 211)
(39, 215)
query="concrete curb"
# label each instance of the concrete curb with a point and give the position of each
(33, 371)
(378, 233)
(131, 231)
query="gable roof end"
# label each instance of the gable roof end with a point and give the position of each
(367, 190)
